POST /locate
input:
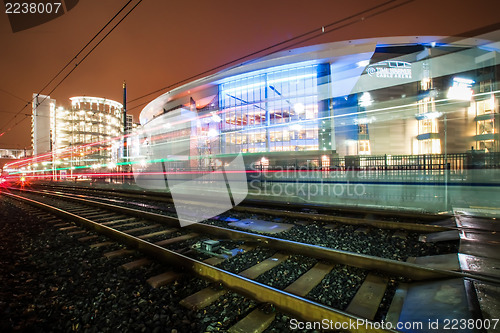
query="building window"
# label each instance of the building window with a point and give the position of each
(364, 147)
(278, 102)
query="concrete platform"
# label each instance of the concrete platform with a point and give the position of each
(397, 304)
(479, 265)
(261, 226)
(470, 222)
(480, 248)
(478, 211)
(433, 304)
(443, 261)
(489, 302)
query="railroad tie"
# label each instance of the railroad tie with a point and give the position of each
(118, 253)
(158, 233)
(263, 266)
(367, 300)
(176, 239)
(257, 321)
(202, 298)
(86, 238)
(68, 228)
(307, 281)
(163, 279)
(136, 264)
(129, 231)
(97, 245)
(79, 232)
(64, 224)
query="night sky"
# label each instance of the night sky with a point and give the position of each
(162, 42)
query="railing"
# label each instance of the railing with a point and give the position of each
(454, 162)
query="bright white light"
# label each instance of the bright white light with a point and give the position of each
(215, 117)
(363, 63)
(260, 84)
(364, 121)
(299, 107)
(212, 133)
(463, 80)
(247, 87)
(111, 165)
(431, 115)
(462, 93)
(296, 127)
(461, 89)
(365, 99)
(143, 163)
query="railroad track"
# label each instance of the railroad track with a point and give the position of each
(344, 214)
(392, 239)
(322, 283)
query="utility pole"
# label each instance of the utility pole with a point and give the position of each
(125, 148)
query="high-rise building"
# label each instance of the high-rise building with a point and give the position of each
(88, 133)
(131, 125)
(42, 125)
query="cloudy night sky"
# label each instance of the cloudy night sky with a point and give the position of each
(163, 42)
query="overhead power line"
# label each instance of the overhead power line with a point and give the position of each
(315, 32)
(15, 96)
(73, 59)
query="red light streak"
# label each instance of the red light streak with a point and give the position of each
(67, 152)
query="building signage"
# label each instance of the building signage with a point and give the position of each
(390, 70)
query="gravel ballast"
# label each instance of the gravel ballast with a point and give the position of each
(53, 283)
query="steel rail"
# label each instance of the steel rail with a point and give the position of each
(166, 197)
(291, 304)
(410, 270)
(416, 227)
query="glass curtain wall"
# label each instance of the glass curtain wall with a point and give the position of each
(270, 112)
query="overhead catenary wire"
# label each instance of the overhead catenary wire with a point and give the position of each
(73, 59)
(317, 33)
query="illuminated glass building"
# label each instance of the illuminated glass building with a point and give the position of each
(339, 104)
(91, 125)
(81, 135)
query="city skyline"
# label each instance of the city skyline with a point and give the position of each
(212, 34)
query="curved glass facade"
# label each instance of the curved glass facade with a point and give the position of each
(88, 129)
(404, 109)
